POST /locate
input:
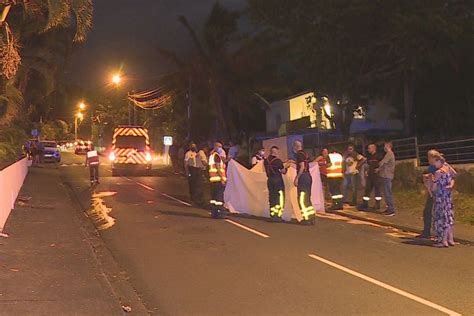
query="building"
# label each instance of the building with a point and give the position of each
(294, 113)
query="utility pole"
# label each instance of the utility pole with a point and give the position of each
(189, 108)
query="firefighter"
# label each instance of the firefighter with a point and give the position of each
(217, 178)
(303, 182)
(335, 179)
(92, 160)
(276, 188)
(372, 179)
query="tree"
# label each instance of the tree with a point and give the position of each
(45, 31)
(354, 48)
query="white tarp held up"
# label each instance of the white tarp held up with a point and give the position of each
(246, 191)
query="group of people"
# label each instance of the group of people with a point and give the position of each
(33, 149)
(345, 173)
(438, 213)
(342, 174)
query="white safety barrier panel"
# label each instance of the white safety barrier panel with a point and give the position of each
(11, 180)
(246, 191)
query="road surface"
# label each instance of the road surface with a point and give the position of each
(181, 262)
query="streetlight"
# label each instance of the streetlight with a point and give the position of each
(116, 79)
(79, 116)
(82, 106)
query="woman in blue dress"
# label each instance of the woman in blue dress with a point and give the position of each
(443, 181)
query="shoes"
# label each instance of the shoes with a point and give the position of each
(440, 245)
(422, 236)
(389, 213)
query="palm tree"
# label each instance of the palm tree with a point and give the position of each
(45, 29)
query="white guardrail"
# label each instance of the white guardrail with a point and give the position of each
(11, 180)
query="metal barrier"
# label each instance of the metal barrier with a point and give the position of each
(455, 152)
(406, 148)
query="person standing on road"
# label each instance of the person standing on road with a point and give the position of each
(276, 188)
(386, 173)
(443, 181)
(428, 181)
(372, 179)
(233, 151)
(193, 165)
(92, 160)
(304, 182)
(174, 158)
(352, 161)
(324, 163)
(217, 178)
(259, 156)
(335, 178)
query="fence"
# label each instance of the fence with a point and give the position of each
(11, 180)
(455, 152)
(406, 148)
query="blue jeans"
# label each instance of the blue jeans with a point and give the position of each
(387, 188)
(350, 180)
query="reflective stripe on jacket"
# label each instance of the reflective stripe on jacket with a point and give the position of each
(216, 169)
(335, 170)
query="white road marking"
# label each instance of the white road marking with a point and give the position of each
(256, 232)
(128, 179)
(177, 200)
(145, 186)
(386, 286)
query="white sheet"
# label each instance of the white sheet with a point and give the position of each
(246, 191)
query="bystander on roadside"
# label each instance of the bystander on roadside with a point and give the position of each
(387, 172)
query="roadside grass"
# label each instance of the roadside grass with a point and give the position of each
(413, 202)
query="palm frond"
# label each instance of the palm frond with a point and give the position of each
(83, 11)
(58, 13)
(13, 100)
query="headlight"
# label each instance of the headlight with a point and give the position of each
(148, 157)
(112, 156)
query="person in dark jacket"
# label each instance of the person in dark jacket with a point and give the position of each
(372, 179)
(276, 188)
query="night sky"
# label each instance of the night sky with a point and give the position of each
(126, 34)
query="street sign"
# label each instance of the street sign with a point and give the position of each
(34, 132)
(167, 140)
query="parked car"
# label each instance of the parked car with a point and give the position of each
(82, 146)
(50, 151)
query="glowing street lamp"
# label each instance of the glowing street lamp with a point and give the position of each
(116, 79)
(79, 116)
(82, 106)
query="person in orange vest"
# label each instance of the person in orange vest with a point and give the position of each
(303, 182)
(92, 160)
(335, 178)
(217, 178)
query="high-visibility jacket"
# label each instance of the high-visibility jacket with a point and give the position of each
(216, 168)
(335, 170)
(92, 157)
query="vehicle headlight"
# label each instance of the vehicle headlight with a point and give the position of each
(112, 156)
(148, 156)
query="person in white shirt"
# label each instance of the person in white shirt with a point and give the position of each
(233, 151)
(259, 156)
(194, 163)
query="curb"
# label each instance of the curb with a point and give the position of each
(401, 227)
(117, 282)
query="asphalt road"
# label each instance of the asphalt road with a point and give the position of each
(181, 262)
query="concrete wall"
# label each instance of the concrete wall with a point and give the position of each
(11, 181)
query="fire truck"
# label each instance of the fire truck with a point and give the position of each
(130, 149)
